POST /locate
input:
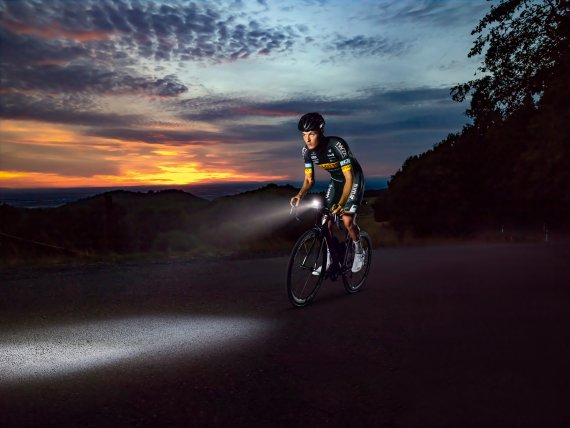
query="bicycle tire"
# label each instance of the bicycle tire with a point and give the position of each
(308, 254)
(355, 281)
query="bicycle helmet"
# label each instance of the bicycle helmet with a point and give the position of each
(311, 122)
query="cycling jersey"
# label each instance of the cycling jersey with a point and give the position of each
(334, 155)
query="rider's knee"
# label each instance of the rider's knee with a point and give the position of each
(348, 221)
(350, 224)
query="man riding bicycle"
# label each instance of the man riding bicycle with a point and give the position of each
(346, 187)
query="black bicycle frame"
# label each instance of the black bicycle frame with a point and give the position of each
(323, 229)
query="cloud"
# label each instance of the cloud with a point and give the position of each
(59, 57)
(376, 120)
(71, 110)
(175, 31)
(153, 136)
(364, 46)
(130, 70)
(445, 13)
(87, 78)
(74, 160)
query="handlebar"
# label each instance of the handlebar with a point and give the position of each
(321, 209)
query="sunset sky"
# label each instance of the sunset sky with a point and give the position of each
(126, 92)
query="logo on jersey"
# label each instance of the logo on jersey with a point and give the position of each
(353, 191)
(341, 149)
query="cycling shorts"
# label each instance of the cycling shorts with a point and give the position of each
(334, 192)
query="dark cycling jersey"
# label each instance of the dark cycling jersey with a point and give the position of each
(334, 155)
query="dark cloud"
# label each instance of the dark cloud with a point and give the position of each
(186, 31)
(173, 138)
(372, 101)
(382, 129)
(93, 47)
(367, 46)
(68, 110)
(386, 125)
(86, 78)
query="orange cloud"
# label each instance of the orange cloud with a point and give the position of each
(44, 155)
(56, 32)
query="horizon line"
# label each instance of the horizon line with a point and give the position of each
(263, 182)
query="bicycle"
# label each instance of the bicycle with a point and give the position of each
(307, 267)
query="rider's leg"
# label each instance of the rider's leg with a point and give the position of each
(332, 196)
(354, 233)
(349, 221)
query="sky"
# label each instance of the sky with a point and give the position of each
(134, 92)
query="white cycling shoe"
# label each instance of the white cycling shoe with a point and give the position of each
(358, 262)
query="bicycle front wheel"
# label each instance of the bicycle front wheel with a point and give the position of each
(354, 281)
(306, 269)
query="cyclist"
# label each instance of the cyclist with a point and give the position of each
(346, 187)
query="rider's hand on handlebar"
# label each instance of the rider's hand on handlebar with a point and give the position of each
(295, 201)
(337, 209)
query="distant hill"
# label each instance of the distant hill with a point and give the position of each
(161, 222)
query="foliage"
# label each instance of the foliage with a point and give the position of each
(524, 42)
(510, 167)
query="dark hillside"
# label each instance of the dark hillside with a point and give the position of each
(117, 221)
(161, 223)
(170, 221)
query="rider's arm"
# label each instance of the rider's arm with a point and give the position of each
(308, 182)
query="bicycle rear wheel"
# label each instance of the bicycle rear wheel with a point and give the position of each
(354, 281)
(303, 275)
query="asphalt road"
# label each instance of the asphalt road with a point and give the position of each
(442, 336)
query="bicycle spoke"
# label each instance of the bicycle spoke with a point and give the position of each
(302, 282)
(308, 253)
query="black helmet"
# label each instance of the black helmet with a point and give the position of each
(311, 122)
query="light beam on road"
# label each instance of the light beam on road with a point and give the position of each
(57, 350)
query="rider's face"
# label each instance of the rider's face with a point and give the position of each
(311, 139)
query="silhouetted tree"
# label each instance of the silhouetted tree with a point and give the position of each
(523, 43)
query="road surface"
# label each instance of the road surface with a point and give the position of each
(442, 336)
